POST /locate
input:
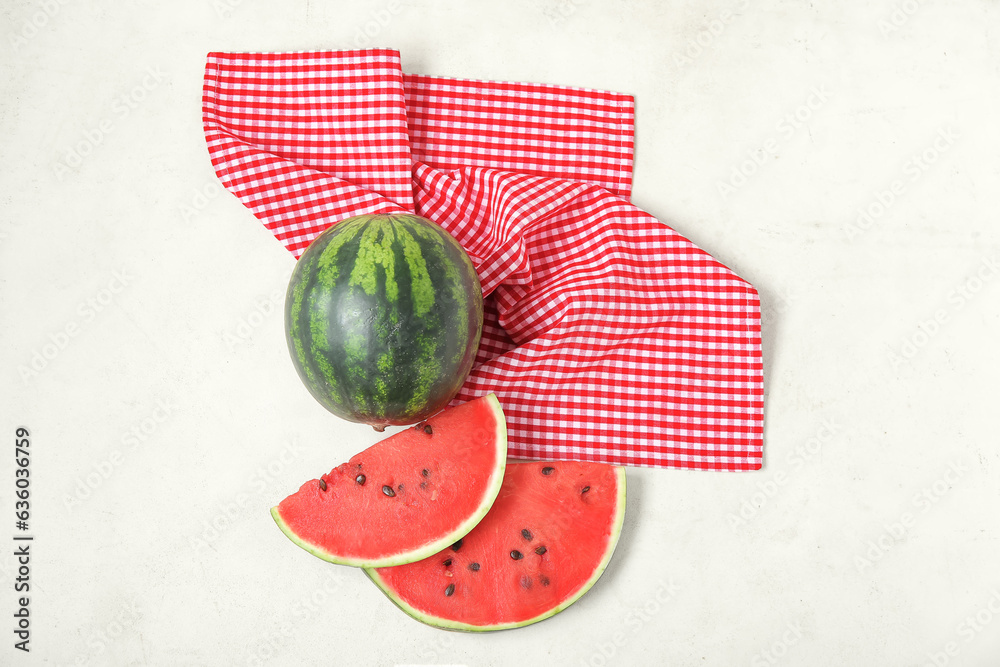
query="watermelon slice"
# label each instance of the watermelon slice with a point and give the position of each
(546, 540)
(406, 497)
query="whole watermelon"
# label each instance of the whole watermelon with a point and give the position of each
(383, 317)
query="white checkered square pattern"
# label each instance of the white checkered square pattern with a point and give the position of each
(608, 336)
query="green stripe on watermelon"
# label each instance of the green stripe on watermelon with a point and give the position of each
(546, 541)
(449, 257)
(383, 318)
(442, 478)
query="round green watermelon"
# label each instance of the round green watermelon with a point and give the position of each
(383, 317)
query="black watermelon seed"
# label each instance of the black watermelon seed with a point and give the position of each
(451, 589)
(540, 550)
(400, 488)
(544, 580)
(525, 581)
(474, 567)
(423, 485)
(425, 472)
(516, 555)
(457, 545)
(585, 489)
(387, 490)
(447, 563)
(526, 534)
(322, 483)
(548, 470)
(360, 479)
(427, 429)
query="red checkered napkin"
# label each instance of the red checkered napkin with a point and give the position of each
(608, 336)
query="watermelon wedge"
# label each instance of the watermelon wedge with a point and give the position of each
(544, 543)
(406, 497)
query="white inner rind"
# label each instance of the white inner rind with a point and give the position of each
(430, 548)
(616, 529)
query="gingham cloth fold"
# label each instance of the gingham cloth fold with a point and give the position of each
(608, 336)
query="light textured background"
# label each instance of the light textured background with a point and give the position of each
(169, 420)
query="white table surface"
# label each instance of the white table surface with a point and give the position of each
(143, 342)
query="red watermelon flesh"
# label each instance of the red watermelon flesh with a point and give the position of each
(543, 544)
(407, 496)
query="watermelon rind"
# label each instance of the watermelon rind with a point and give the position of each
(448, 624)
(431, 548)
